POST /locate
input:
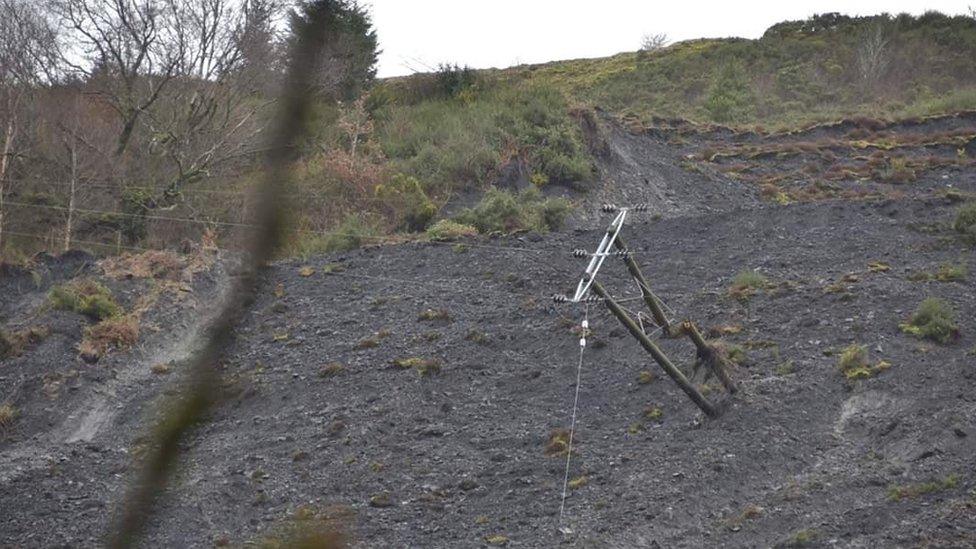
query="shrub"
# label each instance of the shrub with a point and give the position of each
(404, 199)
(352, 233)
(446, 229)
(424, 366)
(912, 491)
(934, 319)
(7, 415)
(949, 272)
(965, 222)
(501, 211)
(119, 332)
(729, 98)
(746, 283)
(854, 364)
(85, 297)
(14, 343)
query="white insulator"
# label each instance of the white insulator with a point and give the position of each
(586, 324)
(582, 342)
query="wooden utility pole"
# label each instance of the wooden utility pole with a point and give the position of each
(659, 356)
(651, 300)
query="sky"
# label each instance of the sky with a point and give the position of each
(417, 35)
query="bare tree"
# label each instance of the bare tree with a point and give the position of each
(873, 55)
(27, 47)
(122, 44)
(653, 42)
(174, 71)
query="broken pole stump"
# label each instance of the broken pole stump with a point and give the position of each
(651, 300)
(659, 356)
(709, 356)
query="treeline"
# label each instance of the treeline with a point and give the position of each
(113, 113)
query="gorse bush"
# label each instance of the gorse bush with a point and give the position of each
(501, 211)
(85, 297)
(447, 229)
(405, 200)
(449, 144)
(729, 97)
(965, 223)
(934, 319)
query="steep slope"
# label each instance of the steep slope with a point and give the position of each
(408, 392)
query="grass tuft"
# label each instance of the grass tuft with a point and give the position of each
(746, 284)
(912, 491)
(934, 319)
(85, 297)
(447, 230)
(854, 363)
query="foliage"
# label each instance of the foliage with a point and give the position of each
(796, 74)
(117, 332)
(502, 211)
(350, 50)
(934, 319)
(729, 97)
(447, 229)
(405, 199)
(912, 491)
(85, 297)
(451, 143)
(746, 283)
(354, 232)
(854, 364)
(965, 222)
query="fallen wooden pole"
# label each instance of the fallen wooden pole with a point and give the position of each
(655, 352)
(653, 303)
(708, 355)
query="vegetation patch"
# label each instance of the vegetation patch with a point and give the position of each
(85, 297)
(424, 366)
(746, 284)
(912, 491)
(331, 369)
(558, 443)
(801, 538)
(7, 416)
(433, 315)
(448, 229)
(854, 363)
(503, 212)
(934, 319)
(117, 333)
(12, 344)
(947, 272)
(965, 222)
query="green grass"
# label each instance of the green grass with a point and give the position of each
(85, 297)
(934, 319)
(797, 73)
(912, 491)
(452, 143)
(965, 222)
(502, 211)
(746, 283)
(854, 364)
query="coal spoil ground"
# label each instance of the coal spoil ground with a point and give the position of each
(316, 415)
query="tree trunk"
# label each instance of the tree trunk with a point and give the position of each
(4, 163)
(72, 185)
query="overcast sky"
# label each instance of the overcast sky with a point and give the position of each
(416, 35)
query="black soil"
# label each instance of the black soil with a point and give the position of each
(800, 455)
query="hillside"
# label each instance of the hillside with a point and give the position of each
(405, 376)
(798, 73)
(407, 392)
